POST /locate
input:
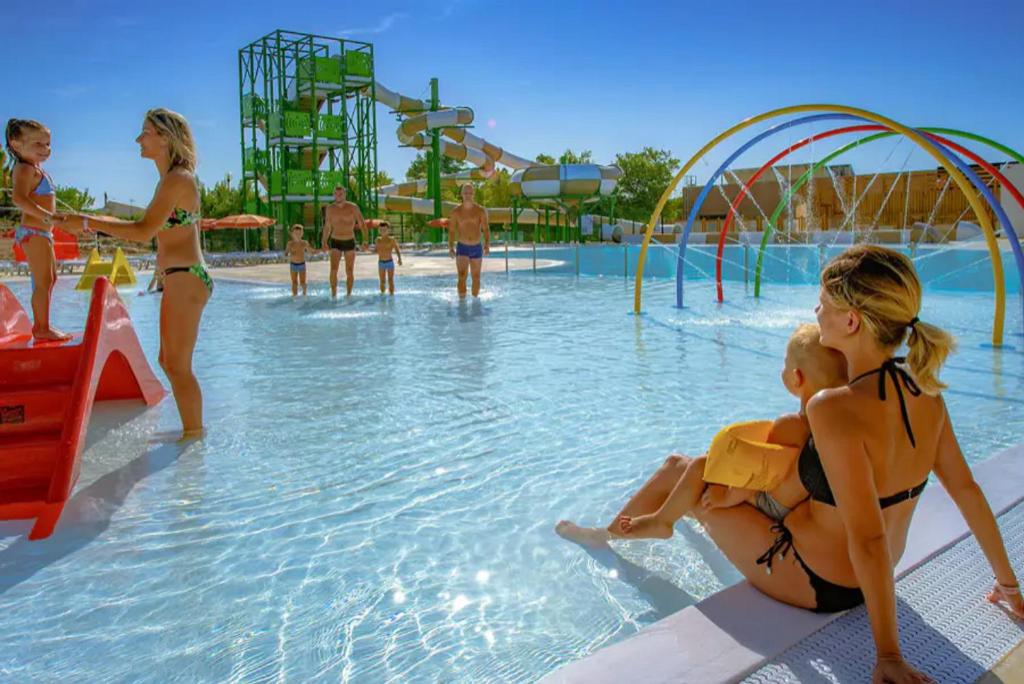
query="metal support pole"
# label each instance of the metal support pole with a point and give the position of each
(435, 150)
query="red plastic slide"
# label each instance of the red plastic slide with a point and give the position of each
(46, 394)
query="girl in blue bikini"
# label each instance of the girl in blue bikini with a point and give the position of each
(172, 217)
(29, 145)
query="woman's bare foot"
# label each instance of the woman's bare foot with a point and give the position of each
(50, 334)
(192, 435)
(644, 526)
(587, 536)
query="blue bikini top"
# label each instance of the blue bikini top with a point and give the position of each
(45, 186)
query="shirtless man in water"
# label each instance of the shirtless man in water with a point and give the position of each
(468, 223)
(340, 222)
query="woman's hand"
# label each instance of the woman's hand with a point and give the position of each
(73, 222)
(1009, 595)
(895, 670)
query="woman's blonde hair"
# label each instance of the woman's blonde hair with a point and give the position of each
(173, 128)
(880, 284)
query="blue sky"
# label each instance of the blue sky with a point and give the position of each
(604, 76)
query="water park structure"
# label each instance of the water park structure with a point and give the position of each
(309, 123)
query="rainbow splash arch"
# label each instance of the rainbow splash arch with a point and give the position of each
(943, 150)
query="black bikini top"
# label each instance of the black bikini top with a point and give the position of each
(812, 474)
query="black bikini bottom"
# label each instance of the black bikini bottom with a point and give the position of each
(828, 596)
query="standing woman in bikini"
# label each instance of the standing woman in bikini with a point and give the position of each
(172, 217)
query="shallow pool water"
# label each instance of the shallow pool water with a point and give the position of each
(376, 496)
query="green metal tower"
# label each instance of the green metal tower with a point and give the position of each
(308, 123)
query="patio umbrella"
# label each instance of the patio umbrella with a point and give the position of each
(238, 221)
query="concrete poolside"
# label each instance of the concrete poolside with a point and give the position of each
(413, 265)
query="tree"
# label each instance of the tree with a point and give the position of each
(496, 191)
(567, 157)
(221, 199)
(418, 168)
(570, 157)
(73, 198)
(5, 180)
(645, 175)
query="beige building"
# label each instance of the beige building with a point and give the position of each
(839, 199)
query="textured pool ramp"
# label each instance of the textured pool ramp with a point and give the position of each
(945, 629)
(946, 626)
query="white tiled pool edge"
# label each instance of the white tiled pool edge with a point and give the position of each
(732, 633)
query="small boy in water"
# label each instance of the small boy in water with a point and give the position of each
(808, 368)
(385, 244)
(296, 251)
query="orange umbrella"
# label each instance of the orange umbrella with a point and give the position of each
(239, 221)
(438, 223)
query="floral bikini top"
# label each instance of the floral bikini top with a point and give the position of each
(180, 217)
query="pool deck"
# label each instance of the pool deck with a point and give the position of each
(433, 263)
(415, 265)
(738, 630)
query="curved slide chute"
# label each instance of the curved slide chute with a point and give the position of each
(47, 390)
(529, 180)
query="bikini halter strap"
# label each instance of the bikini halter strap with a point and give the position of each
(899, 375)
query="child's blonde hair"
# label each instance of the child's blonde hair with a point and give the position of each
(295, 227)
(14, 130)
(880, 284)
(173, 128)
(823, 367)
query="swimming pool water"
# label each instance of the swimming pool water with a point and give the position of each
(375, 498)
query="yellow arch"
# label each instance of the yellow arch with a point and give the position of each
(999, 283)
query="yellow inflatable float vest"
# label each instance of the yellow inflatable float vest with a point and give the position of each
(740, 456)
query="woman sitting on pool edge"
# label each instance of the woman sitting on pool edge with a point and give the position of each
(865, 465)
(172, 217)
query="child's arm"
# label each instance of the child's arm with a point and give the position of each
(397, 250)
(790, 430)
(22, 196)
